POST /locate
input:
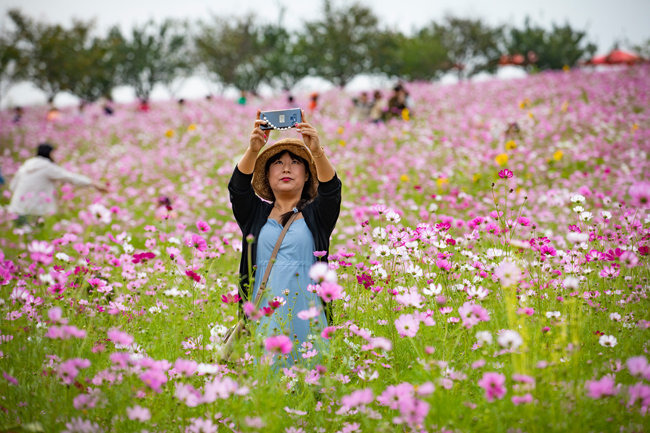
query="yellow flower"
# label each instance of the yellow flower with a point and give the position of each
(476, 177)
(192, 127)
(511, 144)
(531, 115)
(169, 133)
(442, 181)
(406, 114)
(340, 130)
(565, 106)
(342, 143)
(501, 158)
(405, 178)
(558, 155)
(635, 126)
(525, 103)
(566, 68)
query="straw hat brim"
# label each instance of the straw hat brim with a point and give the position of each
(297, 147)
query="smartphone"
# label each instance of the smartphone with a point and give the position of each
(281, 119)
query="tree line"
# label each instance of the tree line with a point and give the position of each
(246, 53)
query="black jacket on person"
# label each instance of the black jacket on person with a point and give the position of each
(251, 213)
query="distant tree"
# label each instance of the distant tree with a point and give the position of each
(542, 49)
(51, 52)
(231, 51)
(420, 56)
(284, 66)
(642, 49)
(12, 62)
(97, 67)
(341, 44)
(472, 46)
(155, 54)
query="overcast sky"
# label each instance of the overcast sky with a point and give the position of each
(605, 21)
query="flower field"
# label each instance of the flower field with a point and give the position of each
(489, 269)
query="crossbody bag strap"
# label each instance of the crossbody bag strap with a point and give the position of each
(274, 254)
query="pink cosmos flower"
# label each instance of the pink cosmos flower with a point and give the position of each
(638, 366)
(252, 312)
(197, 242)
(308, 314)
(522, 399)
(119, 337)
(278, 344)
(328, 332)
(494, 385)
(138, 413)
(185, 366)
(407, 325)
(640, 194)
(41, 251)
(9, 378)
(505, 174)
(154, 378)
(193, 275)
(443, 264)
(55, 314)
(599, 388)
(360, 397)
(329, 291)
(508, 273)
(203, 226)
(472, 314)
(639, 391)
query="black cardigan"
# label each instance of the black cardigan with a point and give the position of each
(251, 213)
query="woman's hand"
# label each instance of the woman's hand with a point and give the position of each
(310, 136)
(258, 136)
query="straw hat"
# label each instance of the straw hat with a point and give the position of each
(293, 145)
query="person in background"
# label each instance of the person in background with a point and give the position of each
(397, 102)
(34, 185)
(362, 107)
(242, 98)
(313, 102)
(18, 114)
(378, 108)
(144, 105)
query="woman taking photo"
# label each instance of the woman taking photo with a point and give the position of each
(292, 176)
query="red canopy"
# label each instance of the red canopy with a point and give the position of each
(618, 57)
(615, 57)
(598, 60)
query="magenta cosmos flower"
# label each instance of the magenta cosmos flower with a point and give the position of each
(505, 174)
(494, 385)
(278, 344)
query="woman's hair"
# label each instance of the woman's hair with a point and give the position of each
(304, 196)
(44, 150)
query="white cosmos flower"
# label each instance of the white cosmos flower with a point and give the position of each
(393, 216)
(510, 339)
(578, 209)
(586, 216)
(433, 289)
(484, 337)
(606, 214)
(607, 340)
(578, 198)
(382, 251)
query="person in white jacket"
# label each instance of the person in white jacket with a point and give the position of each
(34, 188)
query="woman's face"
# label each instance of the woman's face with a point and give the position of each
(287, 176)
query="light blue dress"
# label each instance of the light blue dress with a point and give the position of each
(289, 279)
